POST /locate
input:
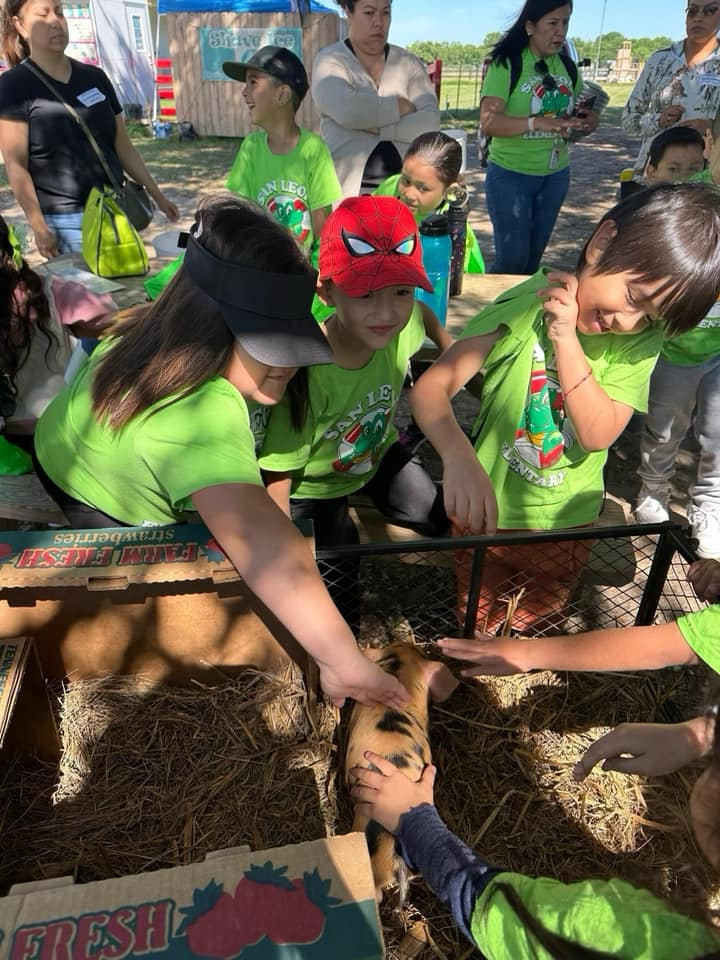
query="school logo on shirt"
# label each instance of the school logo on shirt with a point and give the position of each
(361, 434)
(286, 200)
(544, 432)
(554, 100)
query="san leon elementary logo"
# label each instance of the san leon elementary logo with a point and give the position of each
(287, 202)
(359, 449)
(551, 97)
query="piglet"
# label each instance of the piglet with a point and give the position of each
(400, 735)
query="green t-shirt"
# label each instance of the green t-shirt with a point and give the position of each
(531, 153)
(289, 185)
(701, 631)
(697, 345)
(349, 425)
(610, 916)
(543, 479)
(147, 471)
(474, 262)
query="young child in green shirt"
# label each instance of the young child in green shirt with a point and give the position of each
(370, 265)
(685, 384)
(430, 174)
(283, 167)
(511, 916)
(567, 358)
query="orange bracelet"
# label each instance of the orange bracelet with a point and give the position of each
(588, 374)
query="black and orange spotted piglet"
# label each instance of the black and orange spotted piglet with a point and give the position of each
(400, 735)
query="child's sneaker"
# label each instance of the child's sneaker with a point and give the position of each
(706, 530)
(651, 510)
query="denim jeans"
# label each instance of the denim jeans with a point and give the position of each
(523, 210)
(676, 391)
(67, 229)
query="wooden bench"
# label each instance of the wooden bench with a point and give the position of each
(479, 289)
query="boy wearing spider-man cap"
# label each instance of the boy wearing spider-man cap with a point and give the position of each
(370, 264)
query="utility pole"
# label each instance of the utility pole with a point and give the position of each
(597, 52)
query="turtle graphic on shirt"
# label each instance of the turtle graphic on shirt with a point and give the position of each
(292, 212)
(537, 439)
(556, 101)
(359, 449)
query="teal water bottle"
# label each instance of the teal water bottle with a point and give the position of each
(436, 250)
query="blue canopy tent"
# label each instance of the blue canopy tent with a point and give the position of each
(243, 6)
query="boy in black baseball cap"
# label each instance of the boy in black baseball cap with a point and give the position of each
(283, 167)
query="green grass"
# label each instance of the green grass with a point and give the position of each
(461, 93)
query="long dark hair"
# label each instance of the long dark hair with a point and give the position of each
(14, 48)
(181, 340)
(515, 39)
(24, 305)
(668, 234)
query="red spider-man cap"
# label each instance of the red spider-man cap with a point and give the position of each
(369, 243)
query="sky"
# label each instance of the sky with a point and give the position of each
(468, 21)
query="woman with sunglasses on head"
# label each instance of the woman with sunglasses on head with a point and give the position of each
(526, 106)
(679, 84)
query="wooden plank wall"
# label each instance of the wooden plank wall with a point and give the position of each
(217, 108)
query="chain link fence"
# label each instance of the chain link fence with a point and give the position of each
(460, 86)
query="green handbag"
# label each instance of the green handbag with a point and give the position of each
(111, 245)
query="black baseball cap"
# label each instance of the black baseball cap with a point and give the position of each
(267, 313)
(279, 62)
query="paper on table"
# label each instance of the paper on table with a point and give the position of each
(70, 271)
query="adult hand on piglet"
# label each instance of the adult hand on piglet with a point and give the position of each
(362, 680)
(384, 793)
(490, 656)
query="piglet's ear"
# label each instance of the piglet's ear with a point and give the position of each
(440, 681)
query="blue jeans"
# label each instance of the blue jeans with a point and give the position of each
(67, 229)
(523, 210)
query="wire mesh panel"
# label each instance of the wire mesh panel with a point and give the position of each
(541, 582)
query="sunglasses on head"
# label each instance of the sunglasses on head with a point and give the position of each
(707, 10)
(548, 81)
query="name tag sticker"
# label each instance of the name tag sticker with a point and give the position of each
(91, 97)
(709, 80)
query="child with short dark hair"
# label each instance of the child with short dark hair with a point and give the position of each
(685, 390)
(567, 358)
(283, 167)
(675, 155)
(429, 180)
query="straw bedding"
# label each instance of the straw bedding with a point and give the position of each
(157, 777)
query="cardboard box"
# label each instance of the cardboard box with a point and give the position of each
(164, 602)
(320, 907)
(27, 721)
